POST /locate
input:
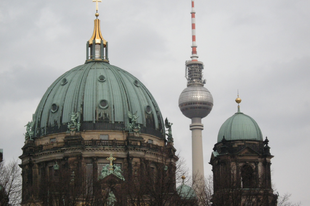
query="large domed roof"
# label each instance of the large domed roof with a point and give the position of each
(103, 96)
(240, 127)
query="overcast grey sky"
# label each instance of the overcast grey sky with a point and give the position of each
(260, 47)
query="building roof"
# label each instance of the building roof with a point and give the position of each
(186, 192)
(102, 96)
(240, 127)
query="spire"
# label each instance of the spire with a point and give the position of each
(194, 56)
(97, 9)
(238, 100)
(97, 36)
(97, 46)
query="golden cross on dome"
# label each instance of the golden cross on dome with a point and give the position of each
(111, 159)
(96, 4)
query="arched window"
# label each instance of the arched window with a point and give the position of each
(247, 177)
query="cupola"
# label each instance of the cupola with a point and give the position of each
(97, 46)
(240, 127)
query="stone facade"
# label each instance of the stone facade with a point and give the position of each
(242, 175)
(82, 155)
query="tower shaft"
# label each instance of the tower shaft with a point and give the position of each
(197, 153)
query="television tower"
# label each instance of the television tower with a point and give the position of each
(195, 101)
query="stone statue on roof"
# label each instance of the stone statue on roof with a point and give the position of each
(74, 124)
(104, 172)
(118, 172)
(168, 125)
(29, 130)
(133, 125)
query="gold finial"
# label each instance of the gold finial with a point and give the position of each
(183, 178)
(238, 100)
(97, 14)
(97, 36)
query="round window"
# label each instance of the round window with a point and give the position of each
(103, 104)
(101, 78)
(64, 81)
(54, 108)
(148, 109)
(136, 83)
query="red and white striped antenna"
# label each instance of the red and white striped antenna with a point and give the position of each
(194, 56)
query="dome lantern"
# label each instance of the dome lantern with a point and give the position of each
(97, 46)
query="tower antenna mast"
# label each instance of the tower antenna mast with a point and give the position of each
(194, 55)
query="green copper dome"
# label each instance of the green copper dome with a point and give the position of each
(97, 96)
(186, 192)
(240, 127)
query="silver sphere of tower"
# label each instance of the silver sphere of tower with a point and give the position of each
(195, 100)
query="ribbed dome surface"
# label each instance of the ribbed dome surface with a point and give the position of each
(102, 94)
(240, 127)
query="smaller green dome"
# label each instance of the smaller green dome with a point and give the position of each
(186, 192)
(240, 127)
